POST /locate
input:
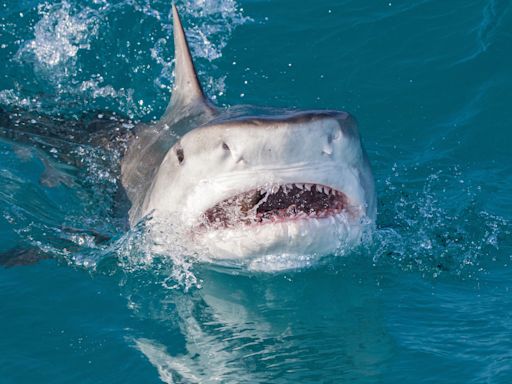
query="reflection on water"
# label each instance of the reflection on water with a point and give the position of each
(296, 327)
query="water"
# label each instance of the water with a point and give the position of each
(428, 300)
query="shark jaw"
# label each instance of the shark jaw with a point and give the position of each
(276, 204)
(276, 227)
(264, 221)
(279, 227)
(287, 242)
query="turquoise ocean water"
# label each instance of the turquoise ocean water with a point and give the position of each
(427, 301)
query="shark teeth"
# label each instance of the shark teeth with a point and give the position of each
(277, 203)
(303, 187)
(286, 188)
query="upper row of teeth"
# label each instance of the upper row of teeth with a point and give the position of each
(307, 187)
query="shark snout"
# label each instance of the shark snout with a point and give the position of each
(275, 143)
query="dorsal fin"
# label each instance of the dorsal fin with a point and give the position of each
(187, 91)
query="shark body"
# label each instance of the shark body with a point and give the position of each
(242, 184)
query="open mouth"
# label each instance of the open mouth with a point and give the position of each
(277, 204)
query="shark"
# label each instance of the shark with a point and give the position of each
(247, 183)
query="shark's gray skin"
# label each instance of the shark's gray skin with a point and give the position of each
(242, 184)
(246, 182)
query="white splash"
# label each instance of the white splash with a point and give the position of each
(137, 250)
(60, 34)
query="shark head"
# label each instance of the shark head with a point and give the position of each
(251, 183)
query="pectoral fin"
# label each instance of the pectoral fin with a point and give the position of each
(21, 256)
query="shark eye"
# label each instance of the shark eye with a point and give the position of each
(180, 155)
(225, 146)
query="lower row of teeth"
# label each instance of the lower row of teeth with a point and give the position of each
(274, 216)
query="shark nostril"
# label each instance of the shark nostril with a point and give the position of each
(225, 146)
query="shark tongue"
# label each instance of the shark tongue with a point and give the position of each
(281, 203)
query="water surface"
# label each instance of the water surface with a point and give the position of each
(428, 300)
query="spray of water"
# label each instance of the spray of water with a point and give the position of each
(64, 60)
